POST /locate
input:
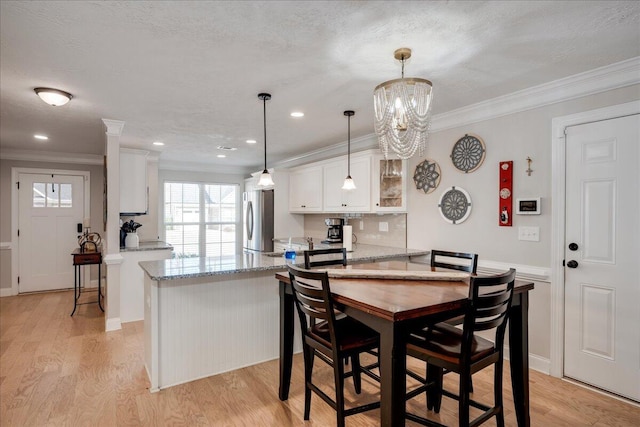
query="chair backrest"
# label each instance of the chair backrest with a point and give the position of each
(438, 256)
(490, 300)
(333, 256)
(312, 297)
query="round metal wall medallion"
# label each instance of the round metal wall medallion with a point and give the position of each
(455, 205)
(427, 176)
(468, 153)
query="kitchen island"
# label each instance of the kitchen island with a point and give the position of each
(205, 316)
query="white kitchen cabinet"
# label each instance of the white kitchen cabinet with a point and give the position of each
(305, 189)
(335, 199)
(389, 189)
(134, 190)
(132, 281)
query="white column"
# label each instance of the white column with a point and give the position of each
(111, 249)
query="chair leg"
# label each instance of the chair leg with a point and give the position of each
(338, 373)
(463, 403)
(434, 388)
(308, 354)
(497, 393)
(356, 370)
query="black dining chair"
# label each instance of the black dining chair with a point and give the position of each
(330, 339)
(331, 256)
(451, 261)
(465, 352)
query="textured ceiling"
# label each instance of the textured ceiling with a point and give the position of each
(188, 73)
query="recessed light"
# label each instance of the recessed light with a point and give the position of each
(251, 141)
(221, 156)
(158, 143)
(297, 114)
(42, 137)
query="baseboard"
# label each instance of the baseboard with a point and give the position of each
(6, 292)
(114, 324)
(537, 363)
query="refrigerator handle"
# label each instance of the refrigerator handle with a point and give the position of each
(249, 220)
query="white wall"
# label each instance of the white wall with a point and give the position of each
(512, 137)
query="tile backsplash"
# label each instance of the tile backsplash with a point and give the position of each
(396, 224)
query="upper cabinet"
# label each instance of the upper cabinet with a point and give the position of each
(305, 189)
(338, 200)
(134, 190)
(389, 185)
(381, 185)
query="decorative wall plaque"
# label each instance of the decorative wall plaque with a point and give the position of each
(468, 153)
(455, 205)
(427, 176)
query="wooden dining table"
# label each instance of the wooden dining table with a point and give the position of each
(394, 307)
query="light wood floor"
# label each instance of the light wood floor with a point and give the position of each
(61, 371)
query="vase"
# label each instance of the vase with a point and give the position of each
(131, 241)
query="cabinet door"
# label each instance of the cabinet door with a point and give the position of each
(305, 190)
(390, 185)
(133, 182)
(338, 200)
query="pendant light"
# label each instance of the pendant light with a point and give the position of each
(403, 112)
(265, 177)
(348, 181)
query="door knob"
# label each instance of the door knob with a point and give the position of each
(573, 246)
(572, 264)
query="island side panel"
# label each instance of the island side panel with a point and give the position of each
(216, 324)
(151, 342)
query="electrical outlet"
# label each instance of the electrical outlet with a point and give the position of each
(531, 234)
(361, 226)
(383, 226)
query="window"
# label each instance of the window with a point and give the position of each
(52, 195)
(200, 219)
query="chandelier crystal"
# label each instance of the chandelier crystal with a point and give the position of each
(403, 112)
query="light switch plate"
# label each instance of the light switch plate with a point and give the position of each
(383, 226)
(531, 234)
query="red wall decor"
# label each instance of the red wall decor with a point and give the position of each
(505, 205)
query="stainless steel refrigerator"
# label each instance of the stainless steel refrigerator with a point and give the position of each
(257, 214)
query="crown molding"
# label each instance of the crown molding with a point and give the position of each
(51, 157)
(113, 127)
(614, 76)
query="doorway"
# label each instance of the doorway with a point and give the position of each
(49, 207)
(595, 338)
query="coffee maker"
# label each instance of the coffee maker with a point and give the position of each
(334, 230)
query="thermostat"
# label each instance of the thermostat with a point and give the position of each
(529, 206)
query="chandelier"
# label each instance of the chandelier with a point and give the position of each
(403, 112)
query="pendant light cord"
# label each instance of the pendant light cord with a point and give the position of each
(264, 121)
(349, 147)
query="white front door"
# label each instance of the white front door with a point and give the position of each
(50, 209)
(602, 255)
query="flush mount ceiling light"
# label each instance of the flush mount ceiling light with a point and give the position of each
(53, 97)
(348, 181)
(265, 177)
(403, 112)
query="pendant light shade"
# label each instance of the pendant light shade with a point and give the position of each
(265, 177)
(403, 112)
(54, 97)
(348, 181)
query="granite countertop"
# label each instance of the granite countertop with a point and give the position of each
(185, 268)
(153, 245)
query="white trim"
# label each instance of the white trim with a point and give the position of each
(15, 172)
(113, 259)
(558, 195)
(537, 363)
(113, 127)
(6, 292)
(524, 272)
(5, 245)
(113, 324)
(204, 167)
(613, 76)
(51, 157)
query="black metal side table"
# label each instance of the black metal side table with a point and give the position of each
(85, 258)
